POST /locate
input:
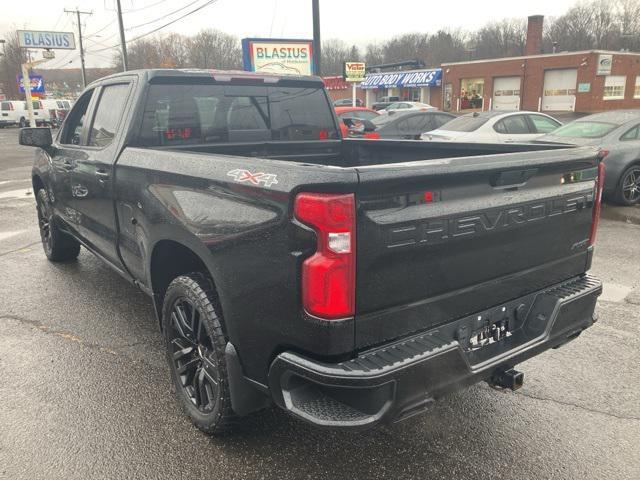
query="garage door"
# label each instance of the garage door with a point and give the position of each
(506, 93)
(559, 90)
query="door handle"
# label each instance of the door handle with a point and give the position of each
(102, 175)
(68, 165)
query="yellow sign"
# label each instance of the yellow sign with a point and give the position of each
(354, 71)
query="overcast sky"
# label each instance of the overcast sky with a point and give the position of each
(354, 21)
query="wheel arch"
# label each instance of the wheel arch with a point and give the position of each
(169, 259)
(37, 183)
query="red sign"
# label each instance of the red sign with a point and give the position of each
(335, 83)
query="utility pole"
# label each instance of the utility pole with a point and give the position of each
(123, 44)
(317, 47)
(78, 13)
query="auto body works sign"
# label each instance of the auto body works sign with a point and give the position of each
(53, 40)
(280, 56)
(421, 78)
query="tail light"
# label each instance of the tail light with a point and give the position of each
(597, 203)
(328, 276)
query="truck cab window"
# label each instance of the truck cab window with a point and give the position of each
(211, 113)
(108, 114)
(72, 131)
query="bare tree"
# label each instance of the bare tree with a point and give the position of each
(11, 64)
(334, 53)
(446, 46)
(374, 54)
(214, 49)
(174, 51)
(410, 46)
(505, 38)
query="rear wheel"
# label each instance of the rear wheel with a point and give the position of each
(628, 190)
(195, 345)
(58, 246)
(23, 122)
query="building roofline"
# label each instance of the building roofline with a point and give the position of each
(542, 55)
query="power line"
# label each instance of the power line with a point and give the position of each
(163, 16)
(143, 8)
(160, 27)
(58, 21)
(101, 30)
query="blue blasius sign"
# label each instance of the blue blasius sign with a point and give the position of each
(48, 40)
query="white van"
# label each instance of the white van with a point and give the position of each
(57, 110)
(40, 112)
(12, 113)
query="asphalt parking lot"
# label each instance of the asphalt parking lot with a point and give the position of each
(85, 390)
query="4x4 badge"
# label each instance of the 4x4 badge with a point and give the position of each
(260, 178)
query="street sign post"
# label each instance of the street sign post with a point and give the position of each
(354, 73)
(41, 39)
(48, 40)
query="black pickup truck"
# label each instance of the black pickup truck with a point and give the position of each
(350, 282)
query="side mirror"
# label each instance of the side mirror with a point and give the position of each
(36, 137)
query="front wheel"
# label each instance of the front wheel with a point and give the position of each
(58, 246)
(195, 344)
(628, 190)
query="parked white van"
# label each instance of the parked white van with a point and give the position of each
(12, 113)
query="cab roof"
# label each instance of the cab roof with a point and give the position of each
(223, 76)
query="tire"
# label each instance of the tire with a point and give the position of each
(58, 246)
(628, 189)
(195, 344)
(23, 123)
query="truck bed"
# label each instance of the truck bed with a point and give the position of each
(357, 153)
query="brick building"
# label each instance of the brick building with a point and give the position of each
(587, 81)
(339, 89)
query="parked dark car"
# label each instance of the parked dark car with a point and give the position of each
(348, 102)
(350, 282)
(617, 134)
(409, 126)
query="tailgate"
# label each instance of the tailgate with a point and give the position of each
(441, 239)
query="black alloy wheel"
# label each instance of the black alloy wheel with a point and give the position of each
(44, 222)
(58, 246)
(192, 353)
(195, 342)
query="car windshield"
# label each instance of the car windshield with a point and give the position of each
(585, 129)
(465, 124)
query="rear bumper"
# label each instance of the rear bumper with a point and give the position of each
(399, 379)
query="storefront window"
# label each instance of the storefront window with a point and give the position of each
(636, 93)
(614, 87)
(471, 93)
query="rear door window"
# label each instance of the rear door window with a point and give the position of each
(514, 125)
(108, 114)
(214, 113)
(74, 124)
